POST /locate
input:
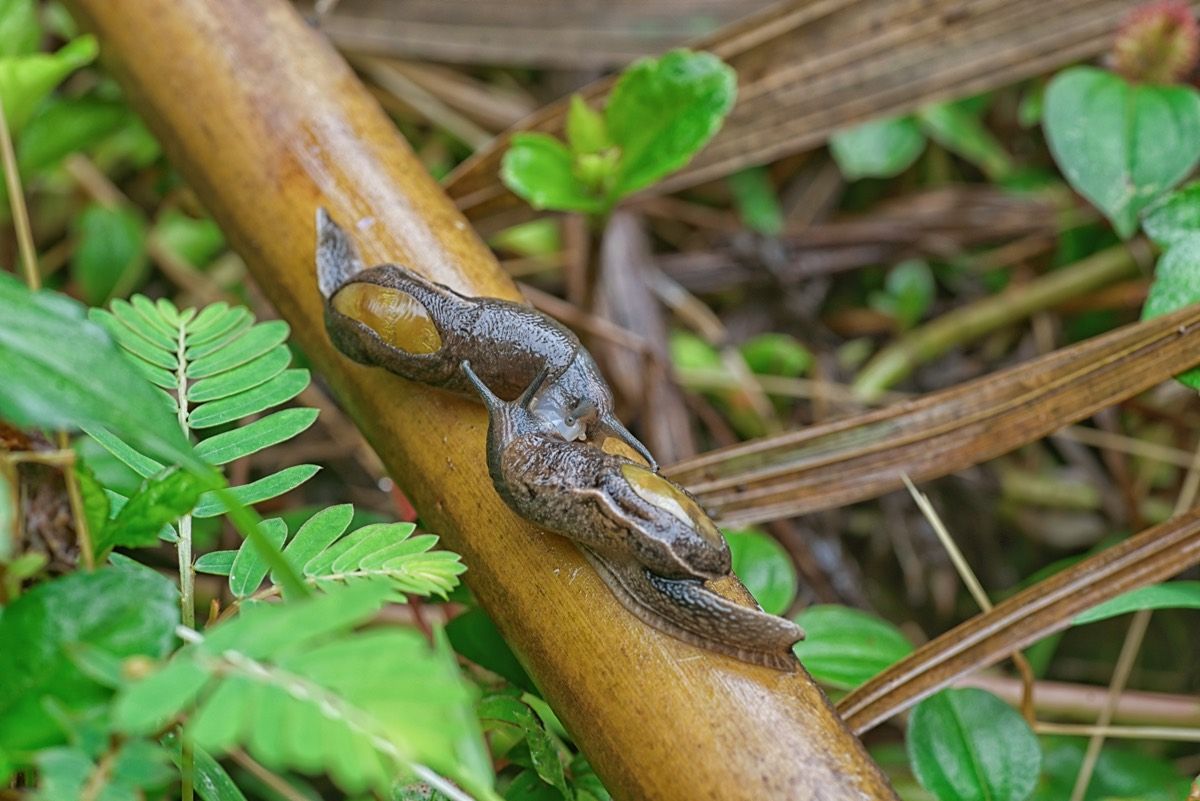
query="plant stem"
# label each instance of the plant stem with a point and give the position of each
(187, 579)
(16, 200)
(969, 323)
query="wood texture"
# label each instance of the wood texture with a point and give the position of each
(809, 67)
(267, 123)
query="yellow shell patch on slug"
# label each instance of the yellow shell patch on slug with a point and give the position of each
(401, 320)
(656, 490)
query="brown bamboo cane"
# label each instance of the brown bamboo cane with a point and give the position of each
(267, 123)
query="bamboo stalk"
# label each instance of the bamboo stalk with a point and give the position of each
(267, 124)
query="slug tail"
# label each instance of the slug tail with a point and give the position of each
(337, 260)
(688, 611)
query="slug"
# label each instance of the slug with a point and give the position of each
(651, 542)
(388, 316)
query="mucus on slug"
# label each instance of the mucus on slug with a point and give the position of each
(650, 541)
(388, 316)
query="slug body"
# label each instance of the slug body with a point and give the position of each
(651, 542)
(388, 316)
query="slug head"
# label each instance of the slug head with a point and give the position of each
(508, 421)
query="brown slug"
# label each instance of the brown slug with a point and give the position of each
(653, 543)
(388, 316)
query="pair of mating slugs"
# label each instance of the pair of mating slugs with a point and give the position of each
(549, 409)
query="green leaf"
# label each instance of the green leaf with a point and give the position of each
(136, 321)
(95, 503)
(25, 80)
(877, 149)
(211, 781)
(195, 241)
(663, 111)
(158, 503)
(317, 534)
(1175, 218)
(263, 489)
(215, 563)
(249, 567)
(1172, 595)
(764, 567)
(19, 28)
(66, 125)
(1121, 146)
(475, 636)
(280, 389)
(274, 681)
(958, 128)
(262, 433)
(120, 612)
(144, 466)
(221, 355)
(137, 344)
(243, 378)
(229, 322)
(909, 291)
(586, 130)
(540, 169)
(506, 710)
(968, 744)
(844, 647)
(110, 257)
(1176, 285)
(1121, 773)
(776, 354)
(756, 201)
(8, 517)
(88, 384)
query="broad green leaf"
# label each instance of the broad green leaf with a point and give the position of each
(243, 378)
(1175, 218)
(25, 80)
(776, 354)
(225, 354)
(1119, 145)
(756, 201)
(262, 433)
(844, 647)
(280, 389)
(764, 567)
(123, 612)
(958, 128)
(1121, 773)
(64, 126)
(909, 289)
(968, 744)
(1172, 595)
(249, 568)
(1176, 284)
(20, 31)
(475, 636)
(541, 170)
(258, 491)
(504, 709)
(215, 563)
(89, 384)
(586, 129)
(877, 149)
(662, 111)
(158, 503)
(195, 241)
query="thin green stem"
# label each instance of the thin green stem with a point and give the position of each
(970, 322)
(16, 200)
(187, 577)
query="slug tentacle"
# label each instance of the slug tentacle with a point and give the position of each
(389, 316)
